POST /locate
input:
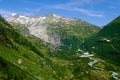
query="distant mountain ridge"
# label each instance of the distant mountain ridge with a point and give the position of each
(53, 28)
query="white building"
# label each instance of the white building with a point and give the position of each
(86, 53)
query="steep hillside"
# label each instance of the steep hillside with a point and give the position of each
(22, 59)
(106, 42)
(53, 28)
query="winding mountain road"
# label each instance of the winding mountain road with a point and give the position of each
(93, 61)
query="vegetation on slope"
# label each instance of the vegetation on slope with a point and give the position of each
(106, 42)
(14, 48)
(72, 33)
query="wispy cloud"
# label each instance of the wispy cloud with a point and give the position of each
(25, 11)
(79, 2)
(29, 11)
(87, 12)
(72, 5)
(5, 13)
(75, 6)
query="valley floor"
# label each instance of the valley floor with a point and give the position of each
(88, 67)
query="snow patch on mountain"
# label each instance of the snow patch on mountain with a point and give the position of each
(37, 25)
(13, 14)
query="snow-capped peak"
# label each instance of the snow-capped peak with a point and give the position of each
(57, 16)
(54, 15)
(13, 14)
(39, 25)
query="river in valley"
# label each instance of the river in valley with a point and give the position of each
(93, 61)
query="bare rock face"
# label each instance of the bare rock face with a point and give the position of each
(50, 28)
(37, 26)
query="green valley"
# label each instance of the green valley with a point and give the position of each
(58, 48)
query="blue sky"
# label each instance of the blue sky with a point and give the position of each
(98, 12)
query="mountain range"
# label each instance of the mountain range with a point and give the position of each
(53, 28)
(50, 48)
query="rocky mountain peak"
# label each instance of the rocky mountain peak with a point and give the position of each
(51, 27)
(53, 16)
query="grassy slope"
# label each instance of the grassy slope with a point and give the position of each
(13, 46)
(107, 50)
